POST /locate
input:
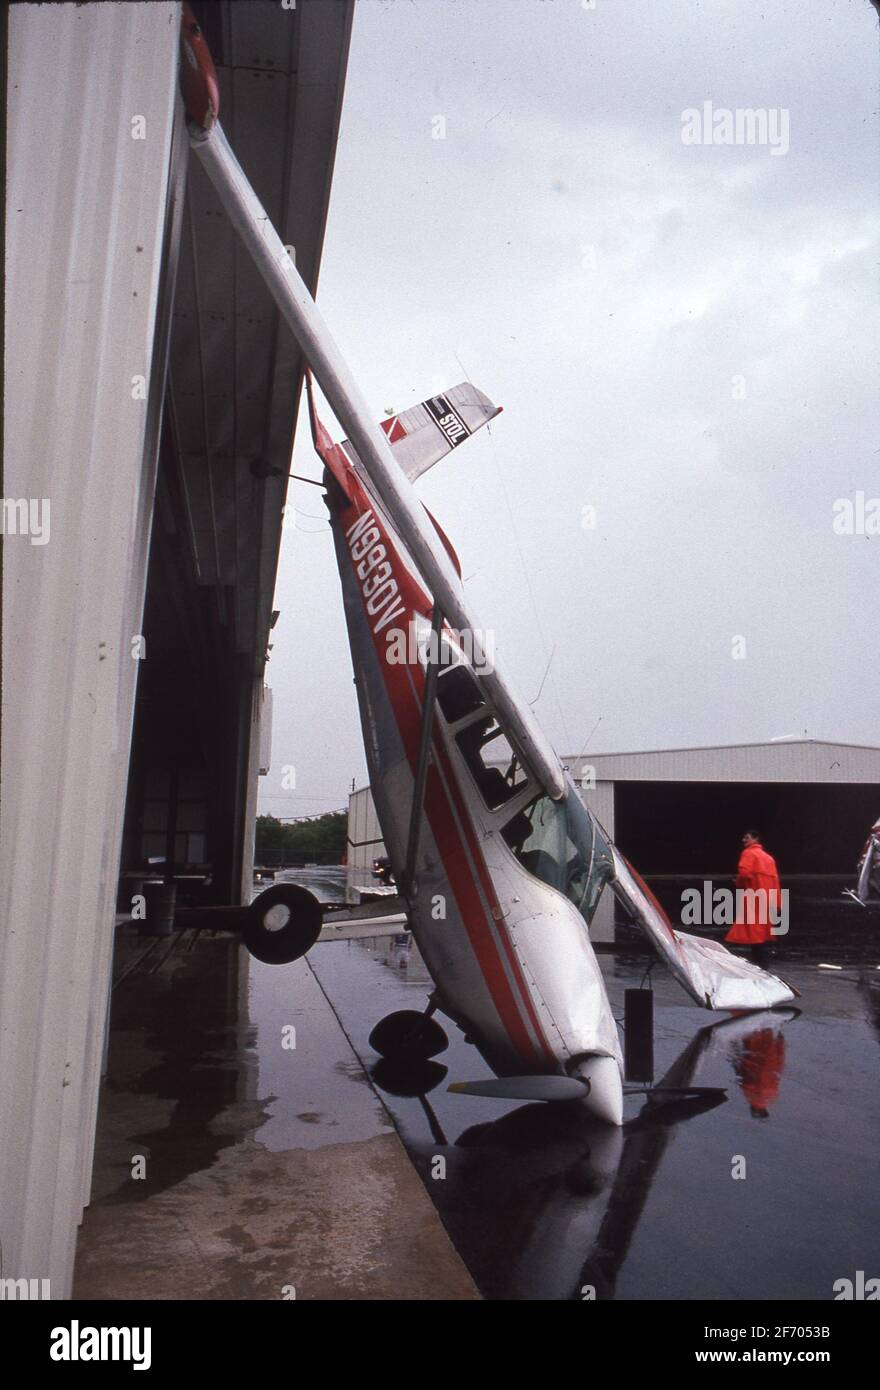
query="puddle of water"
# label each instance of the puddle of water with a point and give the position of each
(311, 1088)
(770, 1194)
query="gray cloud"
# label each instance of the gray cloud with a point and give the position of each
(607, 284)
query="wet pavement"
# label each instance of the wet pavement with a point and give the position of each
(269, 1134)
(242, 1152)
(767, 1192)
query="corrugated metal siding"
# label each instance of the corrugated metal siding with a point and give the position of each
(265, 717)
(600, 800)
(251, 783)
(85, 221)
(236, 368)
(364, 832)
(805, 761)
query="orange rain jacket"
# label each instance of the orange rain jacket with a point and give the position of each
(756, 870)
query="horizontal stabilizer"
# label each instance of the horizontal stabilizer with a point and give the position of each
(710, 973)
(424, 434)
(524, 1088)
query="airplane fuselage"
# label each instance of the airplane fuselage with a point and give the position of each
(509, 953)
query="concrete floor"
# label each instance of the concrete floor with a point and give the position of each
(232, 1165)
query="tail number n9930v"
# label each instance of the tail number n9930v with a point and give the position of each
(369, 558)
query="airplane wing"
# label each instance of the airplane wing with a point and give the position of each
(712, 975)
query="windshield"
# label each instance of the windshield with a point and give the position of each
(561, 844)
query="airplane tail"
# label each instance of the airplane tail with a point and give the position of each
(331, 455)
(419, 437)
(711, 974)
(424, 434)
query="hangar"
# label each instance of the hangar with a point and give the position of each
(152, 403)
(679, 813)
(683, 810)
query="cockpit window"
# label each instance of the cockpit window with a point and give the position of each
(562, 845)
(458, 693)
(495, 767)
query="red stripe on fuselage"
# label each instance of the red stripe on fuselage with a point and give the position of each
(543, 1052)
(444, 805)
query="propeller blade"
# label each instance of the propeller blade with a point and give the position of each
(524, 1088)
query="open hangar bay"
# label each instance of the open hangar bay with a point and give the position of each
(678, 814)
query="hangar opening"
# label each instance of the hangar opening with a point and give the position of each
(695, 828)
(679, 815)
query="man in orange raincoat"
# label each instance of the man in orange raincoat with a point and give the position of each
(758, 907)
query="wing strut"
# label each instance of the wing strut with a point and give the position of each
(387, 480)
(415, 815)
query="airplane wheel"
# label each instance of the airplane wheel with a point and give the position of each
(407, 1034)
(282, 924)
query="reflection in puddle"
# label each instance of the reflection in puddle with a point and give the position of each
(543, 1205)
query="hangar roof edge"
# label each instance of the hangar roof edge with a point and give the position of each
(716, 747)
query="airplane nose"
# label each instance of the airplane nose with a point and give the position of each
(605, 1096)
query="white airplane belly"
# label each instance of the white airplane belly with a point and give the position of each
(564, 973)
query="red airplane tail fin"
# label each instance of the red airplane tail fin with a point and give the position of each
(419, 437)
(333, 456)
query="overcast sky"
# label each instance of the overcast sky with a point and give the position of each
(683, 337)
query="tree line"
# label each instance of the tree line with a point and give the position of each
(322, 840)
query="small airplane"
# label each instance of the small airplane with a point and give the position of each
(499, 862)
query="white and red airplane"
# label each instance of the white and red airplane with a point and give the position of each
(499, 862)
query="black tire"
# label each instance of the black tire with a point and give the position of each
(407, 1035)
(272, 939)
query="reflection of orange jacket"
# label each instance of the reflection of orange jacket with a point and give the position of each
(759, 1067)
(756, 872)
